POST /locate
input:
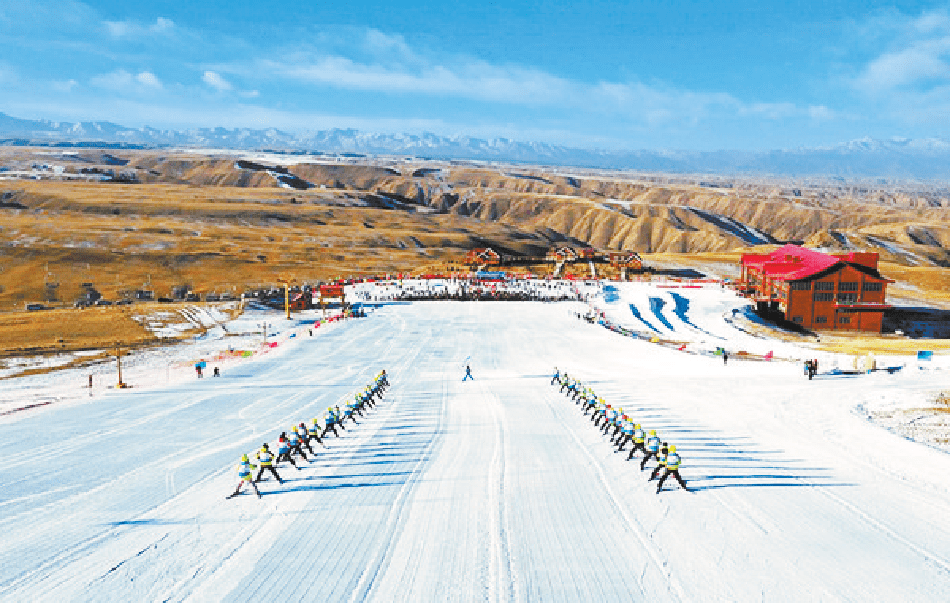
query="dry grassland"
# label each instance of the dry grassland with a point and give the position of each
(25, 333)
(216, 239)
(70, 330)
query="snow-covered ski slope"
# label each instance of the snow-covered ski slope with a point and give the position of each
(496, 489)
(702, 316)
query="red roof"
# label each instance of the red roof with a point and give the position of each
(792, 262)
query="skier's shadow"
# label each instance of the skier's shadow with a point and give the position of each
(713, 460)
(149, 522)
(781, 484)
(357, 475)
(319, 487)
(717, 465)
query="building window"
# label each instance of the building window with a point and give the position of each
(823, 297)
(847, 286)
(844, 320)
(847, 298)
(821, 320)
(824, 286)
(797, 319)
(872, 286)
(800, 286)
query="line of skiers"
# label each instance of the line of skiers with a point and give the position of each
(622, 430)
(292, 443)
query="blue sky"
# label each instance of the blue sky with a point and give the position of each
(621, 75)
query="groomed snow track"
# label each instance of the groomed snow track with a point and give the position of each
(497, 489)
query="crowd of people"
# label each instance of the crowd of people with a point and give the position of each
(465, 289)
(622, 429)
(291, 445)
(481, 294)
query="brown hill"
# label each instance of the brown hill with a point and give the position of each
(226, 223)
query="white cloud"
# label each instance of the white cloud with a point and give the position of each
(916, 54)
(116, 80)
(162, 25)
(821, 113)
(936, 21)
(148, 79)
(216, 81)
(118, 29)
(908, 80)
(123, 81)
(392, 47)
(478, 80)
(129, 29)
(66, 86)
(372, 63)
(922, 63)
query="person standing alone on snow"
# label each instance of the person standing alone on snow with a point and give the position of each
(468, 373)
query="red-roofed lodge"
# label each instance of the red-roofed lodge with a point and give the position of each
(816, 290)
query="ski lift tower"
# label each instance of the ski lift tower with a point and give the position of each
(286, 280)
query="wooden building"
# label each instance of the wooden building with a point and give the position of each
(563, 253)
(300, 300)
(485, 256)
(625, 259)
(817, 290)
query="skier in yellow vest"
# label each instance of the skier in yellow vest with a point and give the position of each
(314, 432)
(673, 462)
(661, 461)
(245, 470)
(266, 458)
(638, 438)
(627, 427)
(652, 448)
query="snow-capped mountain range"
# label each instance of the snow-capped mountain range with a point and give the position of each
(896, 158)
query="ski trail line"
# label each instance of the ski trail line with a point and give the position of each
(881, 527)
(379, 558)
(502, 585)
(648, 546)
